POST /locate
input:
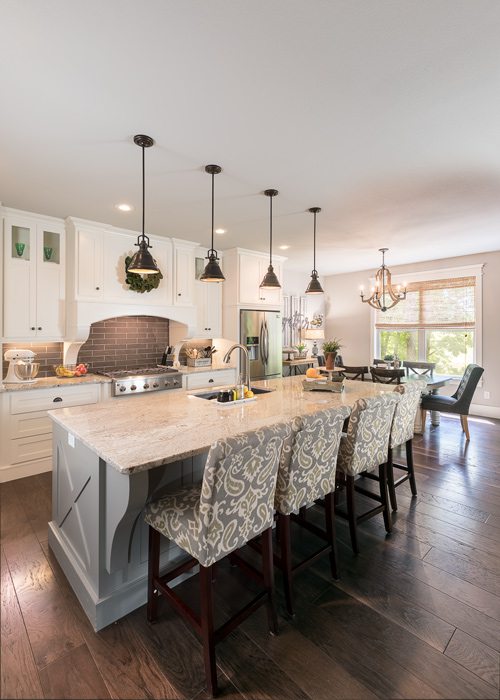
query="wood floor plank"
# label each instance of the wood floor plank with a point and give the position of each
(320, 676)
(477, 657)
(446, 677)
(74, 677)
(19, 676)
(428, 537)
(50, 624)
(34, 494)
(398, 576)
(121, 654)
(464, 569)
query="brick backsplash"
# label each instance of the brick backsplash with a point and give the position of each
(47, 354)
(125, 342)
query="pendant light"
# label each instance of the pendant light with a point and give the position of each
(270, 280)
(314, 287)
(142, 262)
(212, 271)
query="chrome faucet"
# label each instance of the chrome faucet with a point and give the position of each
(247, 360)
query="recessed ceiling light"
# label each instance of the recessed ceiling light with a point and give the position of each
(124, 207)
(284, 247)
(220, 230)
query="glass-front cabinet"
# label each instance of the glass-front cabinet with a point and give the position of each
(33, 278)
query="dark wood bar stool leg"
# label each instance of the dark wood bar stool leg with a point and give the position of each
(268, 573)
(330, 530)
(382, 476)
(286, 560)
(207, 628)
(409, 462)
(390, 481)
(153, 573)
(351, 512)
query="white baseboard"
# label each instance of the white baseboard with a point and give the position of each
(19, 471)
(486, 411)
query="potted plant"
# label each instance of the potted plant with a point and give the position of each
(331, 348)
(302, 349)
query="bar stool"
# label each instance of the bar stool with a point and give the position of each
(234, 504)
(402, 434)
(306, 474)
(363, 449)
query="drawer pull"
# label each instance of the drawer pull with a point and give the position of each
(58, 398)
(210, 381)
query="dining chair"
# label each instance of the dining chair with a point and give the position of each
(354, 372)
(364, 448)
(379, 362)
(459, 402)
(307, 474)
(234, 504)
(421, 369)
(387, 376)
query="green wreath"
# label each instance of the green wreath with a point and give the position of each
(141, 283)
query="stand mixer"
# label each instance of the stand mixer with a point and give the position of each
(22, 369)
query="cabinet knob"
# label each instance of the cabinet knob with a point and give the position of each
(97, 288)
(33, 328)
(179, 294)
(39, 328)
(57, 399)
(210, 381)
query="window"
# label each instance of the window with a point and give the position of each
(437, 322)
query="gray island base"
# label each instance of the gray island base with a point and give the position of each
(112, 458)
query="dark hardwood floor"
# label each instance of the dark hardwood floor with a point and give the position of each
(415, 614)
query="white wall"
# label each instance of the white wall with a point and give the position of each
(349, 319)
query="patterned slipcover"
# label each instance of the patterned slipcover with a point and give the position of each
(235, 502)
(365, 446)
(404, 416)
(308, 459)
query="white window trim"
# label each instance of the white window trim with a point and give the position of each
(476, 271)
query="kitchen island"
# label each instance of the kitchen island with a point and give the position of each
(112, 458)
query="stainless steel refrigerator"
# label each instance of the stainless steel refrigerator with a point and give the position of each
(260, 332)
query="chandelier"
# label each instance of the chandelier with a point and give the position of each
(383, 295)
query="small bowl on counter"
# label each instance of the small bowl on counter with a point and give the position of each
(70, 371)
(27, 371)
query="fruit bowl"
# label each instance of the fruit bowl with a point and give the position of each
(69, 371)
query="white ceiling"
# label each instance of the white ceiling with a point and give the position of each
(384, 113)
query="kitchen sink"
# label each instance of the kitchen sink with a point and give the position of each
(212, 395)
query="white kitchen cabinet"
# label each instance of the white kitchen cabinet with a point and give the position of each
(208, 379)
(246, 270)
(89, 264)
(97, 254)
(184, 253)
(26, 429)
(208, 302)
(34, 283)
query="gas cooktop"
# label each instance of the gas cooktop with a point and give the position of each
(127, 381)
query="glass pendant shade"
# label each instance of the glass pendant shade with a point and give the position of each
(270, 280)
(212, 271)
(314, 286)
(142, 262)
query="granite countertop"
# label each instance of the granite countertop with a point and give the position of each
(136, 433)
(50, 382)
